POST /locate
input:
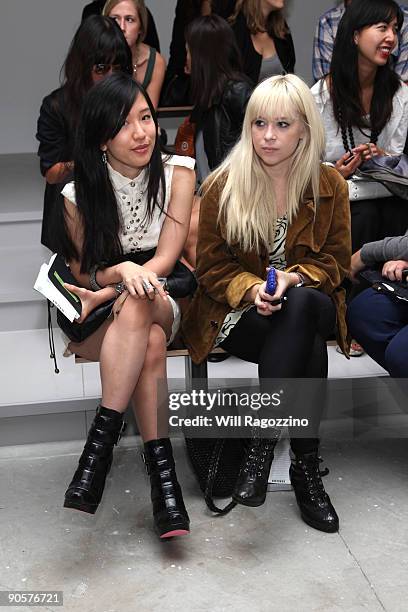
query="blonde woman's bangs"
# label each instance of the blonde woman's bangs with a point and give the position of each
(247, 201)
(274, 99)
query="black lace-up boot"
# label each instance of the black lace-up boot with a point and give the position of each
(169, 512)
(252, 483)
(315, 506)
(86, 488)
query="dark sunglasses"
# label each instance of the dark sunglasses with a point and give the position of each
(105, 68)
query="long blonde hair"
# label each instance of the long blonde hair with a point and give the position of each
(251, 10)
(141, 10)
(247, 201)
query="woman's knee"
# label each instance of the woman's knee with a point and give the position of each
(156, 347)
(134, 313)
(396, 355)
(307, 302)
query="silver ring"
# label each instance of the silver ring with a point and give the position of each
(147, 286)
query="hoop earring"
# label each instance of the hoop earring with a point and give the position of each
(104, 158)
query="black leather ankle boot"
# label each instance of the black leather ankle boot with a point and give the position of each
(315, 506)
(169, 512)
(252, 483)
(86, 488)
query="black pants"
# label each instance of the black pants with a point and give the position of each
(290, 343)
(376, 219)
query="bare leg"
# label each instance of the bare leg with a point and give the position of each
(121, 347)
(150, 397)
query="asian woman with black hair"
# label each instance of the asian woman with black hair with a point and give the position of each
(97, 49)
(126, 200)
(364, 106)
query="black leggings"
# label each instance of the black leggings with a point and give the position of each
(290, 343)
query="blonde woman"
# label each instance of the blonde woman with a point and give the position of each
(149, 66)
(264, 38)
(271, 203)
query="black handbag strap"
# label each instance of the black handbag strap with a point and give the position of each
(212, 472)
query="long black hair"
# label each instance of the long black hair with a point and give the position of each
(98, 40)
(344, 77)
(215, 59)
(104, 112)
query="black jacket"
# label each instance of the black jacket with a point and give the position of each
(56, 139)
(252, 59)
(222, 122)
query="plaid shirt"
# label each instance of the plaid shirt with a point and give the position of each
(326, 33)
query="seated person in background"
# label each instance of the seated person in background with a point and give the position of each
(264, 38)
(97, 49)
(149, 66)
(378, 321)
(326, 32)
(364, 106)
(176, 83)
(219, 90)
(151, 38)
(124, 225)
(271, 203)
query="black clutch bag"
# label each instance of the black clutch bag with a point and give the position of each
(394, 289)
(180, 283)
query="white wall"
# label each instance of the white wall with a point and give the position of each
(34, 38)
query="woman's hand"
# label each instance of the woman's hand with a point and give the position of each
(348, 164)
(350, 161)
(356, 266)
(393, 269)
(367, 151)
(264, 302)
(139, 281)
(90, 299)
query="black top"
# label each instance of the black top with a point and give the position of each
(56, 145)
(252, 60)
(151, 38)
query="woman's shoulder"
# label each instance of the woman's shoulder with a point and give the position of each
(330, 180)
(320, 90)
(145, 51)
(237, 90)
(401, 95)
(55, 100)
(178, 160)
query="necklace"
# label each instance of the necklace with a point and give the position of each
(136, 61)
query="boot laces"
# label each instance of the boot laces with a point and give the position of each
(313, 476)
(257, 455)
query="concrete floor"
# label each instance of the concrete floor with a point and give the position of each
(261, 559)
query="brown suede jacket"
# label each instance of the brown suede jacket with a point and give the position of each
(318, 244)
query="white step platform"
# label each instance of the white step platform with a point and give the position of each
(30, 388)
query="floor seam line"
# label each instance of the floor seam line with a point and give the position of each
(370, 584)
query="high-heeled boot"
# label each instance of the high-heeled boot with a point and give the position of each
(169, 512)
(252, 483)
(86, 488)
(315, 506)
